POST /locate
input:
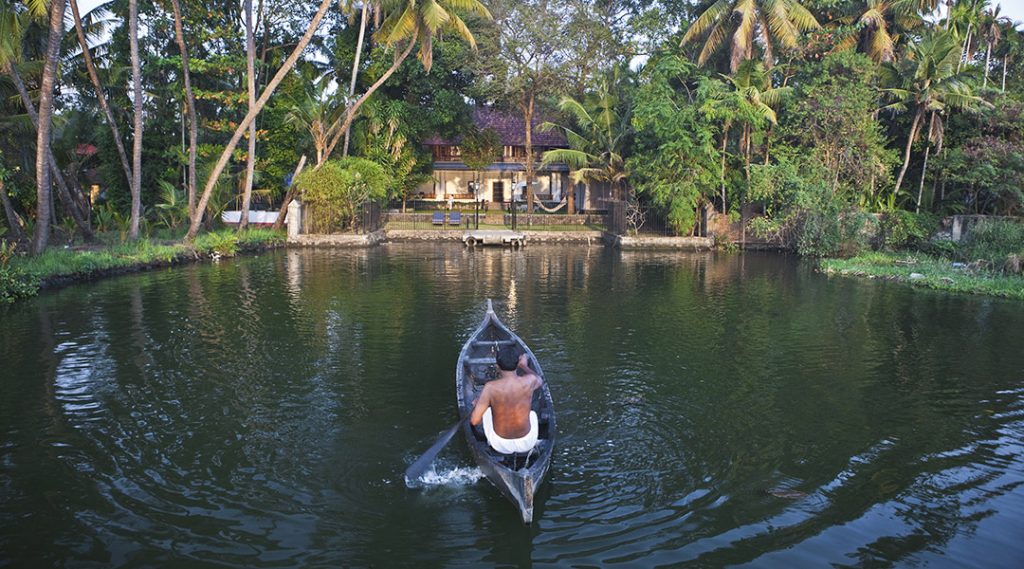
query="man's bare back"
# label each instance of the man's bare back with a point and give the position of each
(509, 397)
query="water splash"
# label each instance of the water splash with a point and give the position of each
(447, 477)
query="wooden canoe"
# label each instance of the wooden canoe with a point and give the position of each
(516, 476)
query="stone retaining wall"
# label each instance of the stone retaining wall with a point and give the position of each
(337, 240)
(681, 243)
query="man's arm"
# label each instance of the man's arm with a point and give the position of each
(524, 364)
(482, 403)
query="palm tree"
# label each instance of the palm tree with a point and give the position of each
(597, 143)
(98, 88)
(365, 11)
(315, 112)
(757, 101)
(190, 107)
(767, 20)
(222, 161)
(12, 26)
(962, 20)
(418, 21)
(992, 27)
(878, 22)
(136, 186)
(250, 160)
(415, 21)
(927, 81)
(46, 85)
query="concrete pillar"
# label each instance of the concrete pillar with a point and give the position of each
(295, 218)
(956, 233)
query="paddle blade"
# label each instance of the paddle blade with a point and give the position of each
(417, 468)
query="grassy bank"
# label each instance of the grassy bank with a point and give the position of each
(23, 276)
(922, 270)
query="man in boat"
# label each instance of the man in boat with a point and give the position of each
(504, 405)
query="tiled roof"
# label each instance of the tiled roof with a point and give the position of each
(511, 129)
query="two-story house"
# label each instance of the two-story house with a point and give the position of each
(506, 177)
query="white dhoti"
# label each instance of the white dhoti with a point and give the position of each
(510, 446)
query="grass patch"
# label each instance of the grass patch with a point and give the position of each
(931, 272)
(59, 263)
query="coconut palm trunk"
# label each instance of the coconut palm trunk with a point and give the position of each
(250, 162)
(73, 207)
(190, 107)
(1004, 73)
(101, 98)
(136, 186)
(44, 198)
(355, 70)
(988, 58)
(906, 152)
(924, 167)
(527, 107)
(222, 161)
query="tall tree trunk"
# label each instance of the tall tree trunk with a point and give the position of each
(355, 70)
(250, 162)
(1005, 57)
(906, 151)
(190, 107)
(136, 188)
(43, 195)
(988, 55)
(721, 174)
(101, 98)
(288, 196)
(222, 162)
(337, 131)
(924, 167)
(527, 108)
(967, 44)
(78, 214)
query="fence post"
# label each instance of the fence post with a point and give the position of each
(295, 218)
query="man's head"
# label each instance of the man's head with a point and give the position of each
(508, 357)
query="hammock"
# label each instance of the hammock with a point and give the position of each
(560, 205)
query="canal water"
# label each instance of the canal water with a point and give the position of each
(714, 409)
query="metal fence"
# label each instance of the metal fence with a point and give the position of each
(367, 218)
(638, 218)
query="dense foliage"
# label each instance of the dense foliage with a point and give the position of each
(792, 121)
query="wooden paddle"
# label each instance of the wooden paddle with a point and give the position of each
(422, 463)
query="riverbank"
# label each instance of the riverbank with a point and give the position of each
(25, 276)
(921, 270)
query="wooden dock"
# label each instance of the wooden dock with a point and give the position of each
(476, 237)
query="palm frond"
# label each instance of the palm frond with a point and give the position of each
(715, 14)
(433, 15)
(575, 159)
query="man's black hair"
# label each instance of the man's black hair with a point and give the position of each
(508, 357)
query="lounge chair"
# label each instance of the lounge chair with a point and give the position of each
(455, 218)
(438, 218)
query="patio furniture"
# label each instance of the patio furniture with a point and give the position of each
(455, 218)
(438, 218)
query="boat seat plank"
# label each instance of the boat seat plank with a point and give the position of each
(489, 343)
(487, 360)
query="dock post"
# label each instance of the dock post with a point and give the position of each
(295, 218)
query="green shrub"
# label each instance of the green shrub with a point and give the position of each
(993, 241)
(335, 191)
(902, 229)
(804, 213)
(223, 243)
(14, 283)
